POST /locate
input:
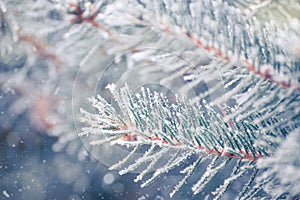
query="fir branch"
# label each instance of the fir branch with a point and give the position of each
(148, 118)
(237, 53)
(248, 67)
(249, 51)
(228, 57)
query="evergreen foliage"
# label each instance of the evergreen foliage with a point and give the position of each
(248, 114)
(209, 88)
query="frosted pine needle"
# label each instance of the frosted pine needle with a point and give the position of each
(185, 129)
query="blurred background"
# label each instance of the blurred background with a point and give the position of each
(39, 146)
(41, 156)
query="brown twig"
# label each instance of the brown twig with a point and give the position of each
(41, 48)
(79, 17)
(221, 152)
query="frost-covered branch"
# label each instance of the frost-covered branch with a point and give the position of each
(207, 42)
(147, 118)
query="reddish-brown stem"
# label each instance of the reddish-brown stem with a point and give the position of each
(245, 155)
(79, 18)
(221, 152)
(40, 48)
(41, 108)
(230, 124)
(250, 67)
